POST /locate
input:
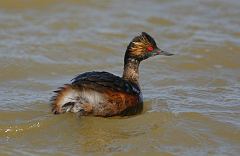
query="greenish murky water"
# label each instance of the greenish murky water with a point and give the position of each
(191, 100)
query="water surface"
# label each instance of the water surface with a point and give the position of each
(191, 99)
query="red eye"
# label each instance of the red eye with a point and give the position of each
(149, 48)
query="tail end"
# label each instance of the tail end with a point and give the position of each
(64, 99)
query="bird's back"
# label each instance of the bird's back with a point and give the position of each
(99, 94)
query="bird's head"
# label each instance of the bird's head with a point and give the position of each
(143, 47)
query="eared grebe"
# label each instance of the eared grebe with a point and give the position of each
(105, 94)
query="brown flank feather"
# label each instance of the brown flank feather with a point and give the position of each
(117, 104)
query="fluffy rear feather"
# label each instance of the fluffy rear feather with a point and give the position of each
(65, 95)
(74, 99)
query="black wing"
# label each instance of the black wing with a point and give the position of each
(104, 80)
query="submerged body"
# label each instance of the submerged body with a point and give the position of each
(105, 94)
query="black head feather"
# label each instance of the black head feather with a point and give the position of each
(149, 38)
(145, 39)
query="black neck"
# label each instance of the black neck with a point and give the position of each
(131, 72)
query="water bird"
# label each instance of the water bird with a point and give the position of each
(104, 94)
